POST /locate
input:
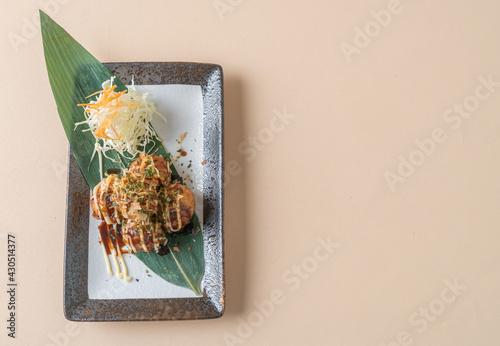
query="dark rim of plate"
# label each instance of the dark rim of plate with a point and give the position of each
(77, 305)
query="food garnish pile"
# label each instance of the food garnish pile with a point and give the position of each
(120, 121)
(143, 203)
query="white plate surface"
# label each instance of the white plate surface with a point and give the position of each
(182, 106)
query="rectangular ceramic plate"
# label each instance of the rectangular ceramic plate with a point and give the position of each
(174, 305)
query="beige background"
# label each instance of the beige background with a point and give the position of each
(320, 177)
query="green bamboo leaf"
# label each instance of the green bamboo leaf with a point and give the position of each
(184, 261)
(74, 74)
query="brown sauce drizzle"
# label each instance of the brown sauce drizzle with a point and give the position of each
(111, 239)
(103, 231)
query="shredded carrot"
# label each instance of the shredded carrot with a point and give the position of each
(108, 101)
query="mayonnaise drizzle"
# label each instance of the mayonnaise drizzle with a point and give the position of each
(143, 242)
(119, 273)
(178, 208)
(116, 253)
(115, 259)
(123, 265)
(131, 244)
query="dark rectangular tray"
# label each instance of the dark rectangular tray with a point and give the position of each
(77, 305)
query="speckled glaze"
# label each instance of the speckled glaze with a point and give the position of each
(77, 305)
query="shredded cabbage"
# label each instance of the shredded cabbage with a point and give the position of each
(120, 121)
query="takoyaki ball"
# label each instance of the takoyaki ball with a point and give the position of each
(139, 236)
(178, 207)
(152, 167)
(103, 198)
